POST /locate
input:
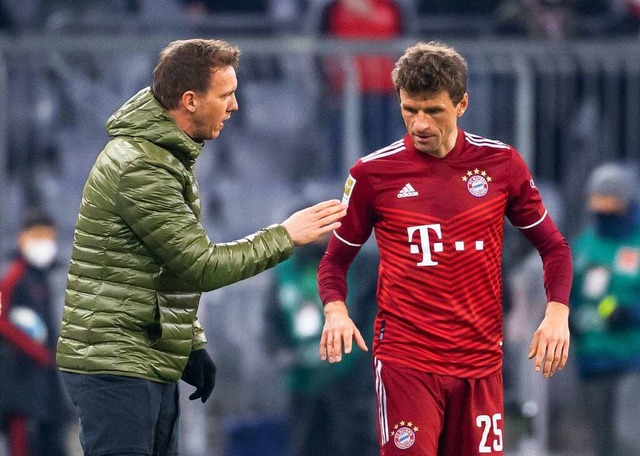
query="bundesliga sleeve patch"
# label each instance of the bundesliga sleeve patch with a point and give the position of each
(348, 189)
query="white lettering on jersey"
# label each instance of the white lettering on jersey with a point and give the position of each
(424, 245)
(424, 242)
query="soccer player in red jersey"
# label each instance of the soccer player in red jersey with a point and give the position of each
(437, 201)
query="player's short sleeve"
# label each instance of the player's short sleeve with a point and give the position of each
(524, 207)
(358, 195)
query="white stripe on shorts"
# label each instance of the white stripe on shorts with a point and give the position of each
(382, 404)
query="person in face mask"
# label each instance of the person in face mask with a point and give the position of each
(613, 200)
(32, 403)
(606, 309)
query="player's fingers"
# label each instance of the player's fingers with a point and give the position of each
(347, 338)
(562, 355)
(533, 348)
(360, 341)
(330, 352)
(335, 347)
(565, 355)
(323, 346)
(549, 358)
(554, 358)
(540, 352)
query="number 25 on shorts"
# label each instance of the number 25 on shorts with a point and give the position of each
(490, 425)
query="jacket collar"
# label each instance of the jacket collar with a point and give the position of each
(143, 116)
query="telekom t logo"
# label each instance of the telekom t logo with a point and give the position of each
(425, 243)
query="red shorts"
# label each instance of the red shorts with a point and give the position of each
(436, 415)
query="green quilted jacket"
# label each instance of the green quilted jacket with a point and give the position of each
(140, 256)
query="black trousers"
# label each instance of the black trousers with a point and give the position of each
(125, 415)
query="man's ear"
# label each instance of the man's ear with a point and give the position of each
(462, 106)
(189, 101)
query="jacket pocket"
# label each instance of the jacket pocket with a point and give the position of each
(175, 314)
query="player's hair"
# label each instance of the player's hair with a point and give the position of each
(428, 68)
(188, 65)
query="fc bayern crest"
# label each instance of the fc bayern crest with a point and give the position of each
(477, 182)
(404, 438)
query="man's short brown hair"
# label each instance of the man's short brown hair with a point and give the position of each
(428, 68)
(188, 65)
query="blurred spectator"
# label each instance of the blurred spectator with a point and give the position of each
(23, 16)
(363, 19)
(513, 19)
(561, 19)
(6, 20)
(32, 149)
(228, 6)
(33, 408)
(248, 17)
(631, 22)
(606, 309)
(331, 411)
(608, 17)
(553, 19)
(34, 95)
(456, 6)
(544, 19)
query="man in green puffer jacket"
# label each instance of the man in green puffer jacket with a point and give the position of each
(141, 257)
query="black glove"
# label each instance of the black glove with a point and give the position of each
(200, 372)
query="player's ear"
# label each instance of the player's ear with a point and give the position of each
(463, 104)
(189, 101)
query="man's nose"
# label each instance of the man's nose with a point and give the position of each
(234, 103)
(422, 122)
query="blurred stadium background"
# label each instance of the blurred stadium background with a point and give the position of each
(560, 80)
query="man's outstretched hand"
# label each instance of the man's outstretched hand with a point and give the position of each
(313, 222)
(200, 372)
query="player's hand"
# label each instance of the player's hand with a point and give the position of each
(338, 333)
(550, 345)
(313, 222)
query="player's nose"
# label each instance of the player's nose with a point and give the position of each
(421, 123)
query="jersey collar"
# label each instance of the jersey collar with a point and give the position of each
(451, 156)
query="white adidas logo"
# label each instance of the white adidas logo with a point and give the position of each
(407, 191)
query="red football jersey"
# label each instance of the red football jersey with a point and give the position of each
(439, 225)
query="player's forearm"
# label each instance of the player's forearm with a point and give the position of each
(558, 273)
(556, 260)
(332, 282)
(332, 271)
